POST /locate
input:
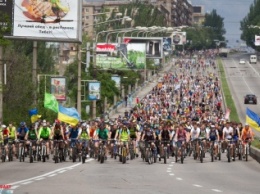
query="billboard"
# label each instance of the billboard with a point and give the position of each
(167, 44)
(47, 20)
(257, 40)
(117, 79)
(136, 55)
(6, 13)
(153, 45)
(94, 90)
(178, 38)
(106, 47)
(58, 88)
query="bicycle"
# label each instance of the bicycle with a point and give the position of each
(32, 153)
(201, 149)
(84, 148)
(75, 153)
(3, 152)
(43, 150)
(102, 151)
(58, 153)
(219, 150)
(181, 148)
(91, 149)
(164, 148)
(230, 141)
(21, 152)
(247, 148)
(240, 150)
(150, 153)
(131, 150)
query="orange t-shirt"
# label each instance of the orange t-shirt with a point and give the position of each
(247, 134)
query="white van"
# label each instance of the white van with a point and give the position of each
(253, 59)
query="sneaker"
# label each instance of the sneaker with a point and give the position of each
(158, 156)
(233, 158)
(6, 159)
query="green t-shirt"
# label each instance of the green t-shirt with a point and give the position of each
(44, 132)
(124, 134)
(32, 135)
(102, 134)
(84, 135)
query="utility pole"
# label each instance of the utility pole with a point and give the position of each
(79, 81)
(34, 72)
(1, 83)
(94, 103)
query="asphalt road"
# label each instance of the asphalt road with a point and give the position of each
(242, 80)
(136, 176)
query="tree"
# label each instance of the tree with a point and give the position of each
(251, 19)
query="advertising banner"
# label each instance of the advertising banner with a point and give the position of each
(106, 47)
(94, 90)
(257, 40)
(117, 79)
(136, 56)
(6, 14)
(153, 45)
(178, 38)
(56, 20)
(167, 44)
(58, 88)
(108, 62)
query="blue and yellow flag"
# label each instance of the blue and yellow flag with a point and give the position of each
(34, 115)
(68, 115)
(252, 119)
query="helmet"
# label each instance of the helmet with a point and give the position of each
(22, 124)
(3, 126)
(246, 124)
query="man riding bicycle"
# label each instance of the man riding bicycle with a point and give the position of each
(44, 134)
(124, 137)
(102, 134)
(213, 136)
(247, 136)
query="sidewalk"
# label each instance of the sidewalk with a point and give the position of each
(141, 92)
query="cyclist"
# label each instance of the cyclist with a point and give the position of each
(247, 135)
(57, 134)
(213, 136)
(32, 136)
(1, 140)
(102, 134)
(21, 133)
(44, 134)
(84, 136)
(73, 135)
(180, 137)
(12, 136)
(149, 136)
(227, 136)
(113, 135)
(124, 136)
(133, 135)
(165, 137)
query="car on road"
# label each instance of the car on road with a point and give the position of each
(250, 99)
(242, 61)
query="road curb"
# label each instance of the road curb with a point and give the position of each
(255, 153)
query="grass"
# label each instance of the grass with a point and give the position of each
(227, 94)
(256, 143)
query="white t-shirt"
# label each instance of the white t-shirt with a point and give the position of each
(194, 133)
(227, 132)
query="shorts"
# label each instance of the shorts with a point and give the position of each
(84, 142)
(179, 143)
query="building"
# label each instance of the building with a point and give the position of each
(198, 14)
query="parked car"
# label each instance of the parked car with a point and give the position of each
(250, 99)
(242, 61)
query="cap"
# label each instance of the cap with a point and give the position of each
(246, 124)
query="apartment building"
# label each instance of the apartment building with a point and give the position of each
(198, 14)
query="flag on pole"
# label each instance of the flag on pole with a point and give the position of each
(227, 114)
(253, 119)
(34, 115)
(68, 115)
(50, 102)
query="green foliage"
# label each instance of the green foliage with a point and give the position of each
(251, 19)
(227, 94)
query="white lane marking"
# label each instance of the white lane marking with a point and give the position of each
(172, 162)
(171, 174)
(28, 182)
(14, 187)
(197, 185)
(40, 179)
(62, 171)
(216, 190)
(49, 173)
(171, 165)
(169, 168)
(52, 175)
(168, 171)
(179, 179)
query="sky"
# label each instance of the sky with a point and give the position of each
(233, 11)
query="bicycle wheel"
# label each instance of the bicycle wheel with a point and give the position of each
(20, 154)
(74, 154)
(124, 155)
(201, 155)
(247, 153)
(228, 153)
(240, 152)
(212, 153)
(165, 155)
(176, 154)
(182, 155)
(150, 157)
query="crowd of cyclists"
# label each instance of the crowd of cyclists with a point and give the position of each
(181, 116)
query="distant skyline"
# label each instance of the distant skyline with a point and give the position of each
(233, 11)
